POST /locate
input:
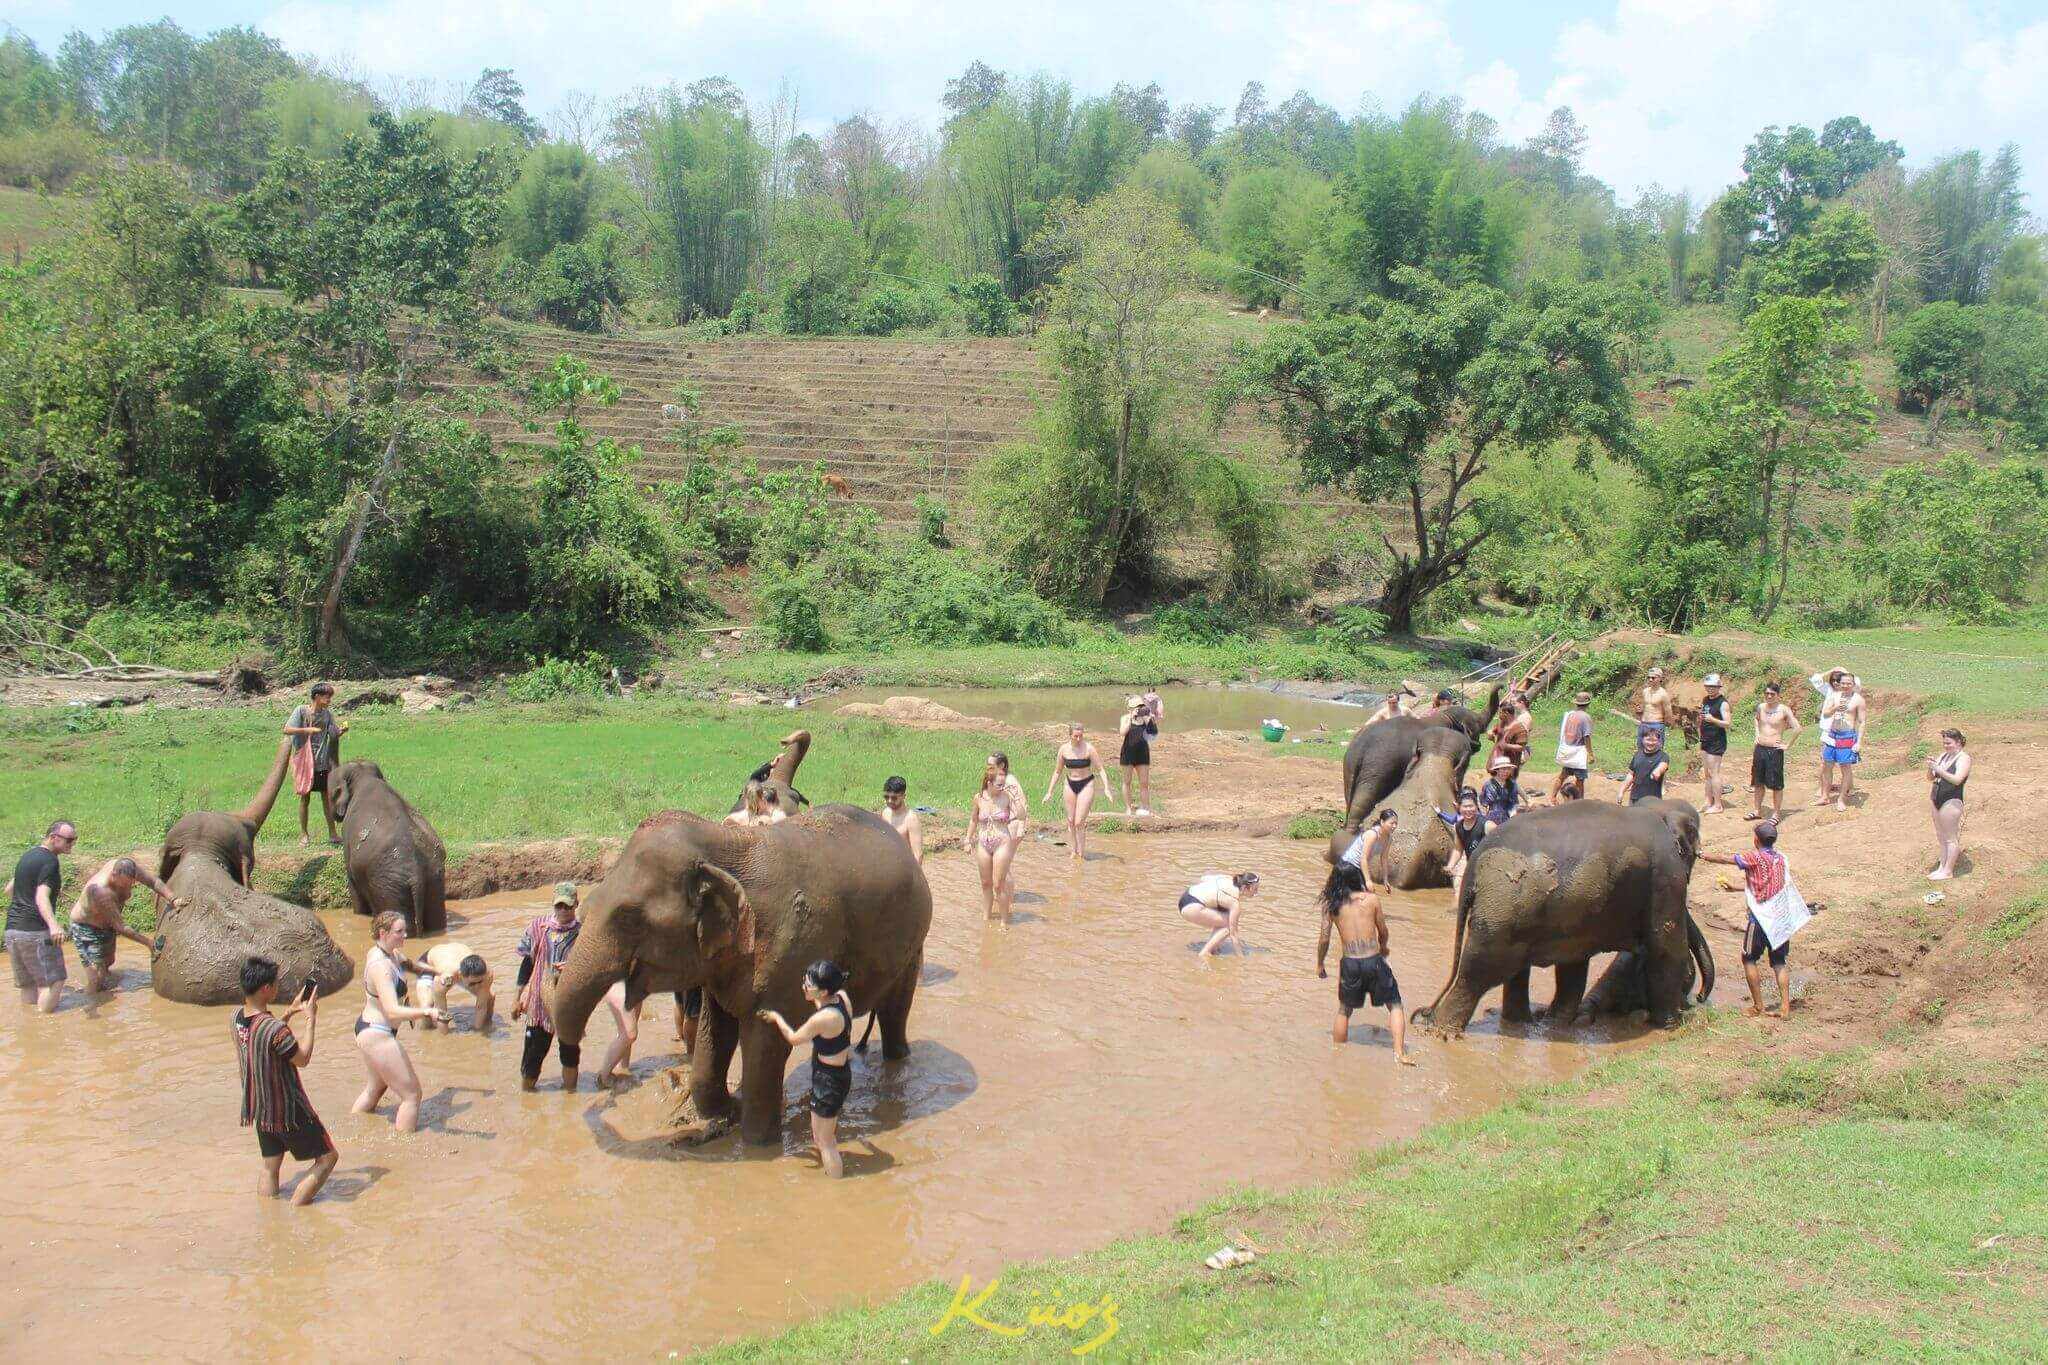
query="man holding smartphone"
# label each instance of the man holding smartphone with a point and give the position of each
(273, 1098)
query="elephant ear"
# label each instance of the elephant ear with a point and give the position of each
(725, 918)
(1414, 757)
(337, 792)
(1685, 827)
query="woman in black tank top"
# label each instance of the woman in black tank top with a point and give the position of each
(828, 1031)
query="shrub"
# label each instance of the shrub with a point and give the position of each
(1198, 621)
(1955, 536)
(988, 309)
(786, 606)
(890, 308)
(1249, 526)
(548, 679)
(906, 591)
(746, 312)
(931, 522)
(578, 283)
(1353, 628)
(52, 159)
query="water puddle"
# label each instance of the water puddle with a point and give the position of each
(1073, 1078)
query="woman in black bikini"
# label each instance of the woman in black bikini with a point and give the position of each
(1948, 771)
(384, 1009)
(828, 1030)
(1082, 767)
(1134, 753)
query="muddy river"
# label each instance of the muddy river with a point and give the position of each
(1098, 708)
(1074, 1077)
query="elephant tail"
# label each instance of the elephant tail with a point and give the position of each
(1702, 953)
(869, 1032)
(1465, 894)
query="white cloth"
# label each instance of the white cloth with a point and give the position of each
(1569, 755)
(1834, 707)
(1211, 889)
(1355, 855)
(1782, 915)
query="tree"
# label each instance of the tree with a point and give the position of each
(498, 97)
(1194, 127)
(1145, 110)
(550, 203)
(1839, 254)
(1268, 220)
(1905, 240)
(227, 137)
(862, 170)
(698, 169)
(1956, 536)
(1789, 175)
(1169, 176)
(2012, 379)
(974, 90)
(580, 120)
(1974, 210)
(1938, 352)
(31, 91)
(819, 262)
(1412, 397)
(2021, 280)
(1784, 406)
(378, 250)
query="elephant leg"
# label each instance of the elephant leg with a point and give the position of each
(1669, 953)
(1514, 998)
(764, 1057)
(1571, 989)
(893, 1013)
(711, 1063)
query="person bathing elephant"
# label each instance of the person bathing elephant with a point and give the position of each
(743, 911)
(395, 859)
(1378, 757)
(1420, 847)
(208, 858)
(778, 776)
(1554, 887)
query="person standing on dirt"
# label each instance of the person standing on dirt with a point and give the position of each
(1842, 713)
(1360, 923)
(1078, 763)
(896, 810)
(1947, 771)
(1134, 753)
(1767, 882)
(1775, 726)
(316, 749)
(97, 921)
(35, 941)
(1646, 769)
(543, 948)
(270, 1057)
(1656, 709)
(1574, 746)
(1713, 739)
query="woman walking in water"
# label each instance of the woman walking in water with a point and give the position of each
(1214, 903)
(1948, 771)
(827, 1031)
(1134, 752)
(988, 834)
(1078, 761)
(384, 1009)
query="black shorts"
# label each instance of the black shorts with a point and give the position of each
(1713, 741)
(536, 1052)
(1363, 978)
(306, 1142)
(830, 1086)
(1767, 768)
(1579, 773)
(1136, 751)
(1756, 944)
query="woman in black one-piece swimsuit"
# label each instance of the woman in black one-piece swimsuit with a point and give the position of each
(1948, 771)
(828, 1031)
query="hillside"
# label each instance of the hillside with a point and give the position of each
(28, 219)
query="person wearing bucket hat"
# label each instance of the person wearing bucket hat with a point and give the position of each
(1713, 740)
(1574, 745)
(542, 949)
(1501, 796)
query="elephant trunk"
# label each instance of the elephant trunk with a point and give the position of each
(1703, 954)
(258, 809)
(597, 960)
(1492, 710)
(1465, 894)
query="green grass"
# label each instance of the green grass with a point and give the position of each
(1967, 670)
(28, 219)
(2023, 914)
(489, 772)
(1826, 1212)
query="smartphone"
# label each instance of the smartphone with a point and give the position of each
(309, 990)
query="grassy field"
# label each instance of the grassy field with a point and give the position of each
(1803, 1211)
(489, 772)
(28, 219)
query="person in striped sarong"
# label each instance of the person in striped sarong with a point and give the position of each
(273, 1099)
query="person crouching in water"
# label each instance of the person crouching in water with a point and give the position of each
(1214, 903)
(828, 1031)
(1355, 914)
(543, 948)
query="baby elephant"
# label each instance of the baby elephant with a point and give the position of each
(395, 859)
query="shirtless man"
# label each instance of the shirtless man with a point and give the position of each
(1656, 712)
(756, 808)
(1396, 704)
(97, 925)
(1775, 726)
(447, 965)
(1374, 838)
(1355, 913)
(896, 810)
(1843, 714)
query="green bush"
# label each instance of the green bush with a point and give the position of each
(1353, 628)
(52, 159)
(889, 308)
(931, 522)
(988, 309)
(786, 606)
(1954, 537)
(578, 283)
(551, 678)
(905, 591)
(746, 311)
(1199, 621)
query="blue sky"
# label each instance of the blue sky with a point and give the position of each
(1669, 90)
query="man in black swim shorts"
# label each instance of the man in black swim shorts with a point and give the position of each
(1355, 914)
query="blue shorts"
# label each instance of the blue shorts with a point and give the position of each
(1843, 753)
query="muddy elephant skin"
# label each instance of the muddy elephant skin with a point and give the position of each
(1421, 846)
(395, 859)
(207, 859)
(742, 911)
(1555, 887)
(1378, 756)
(778, 776)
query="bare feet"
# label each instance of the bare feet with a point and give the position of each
(1712, 810)
(1939, 876)
(1785, 1010)
(1825, 797)
(1753, 1012)
(305, 841)
(1842, 806)
(1404, 1059)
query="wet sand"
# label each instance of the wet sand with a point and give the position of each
(1073, 1078)
(1099, 708)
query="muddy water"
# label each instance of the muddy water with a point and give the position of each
(1187, 708)
(1074, 1077)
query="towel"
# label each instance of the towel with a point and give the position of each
(1781, 916)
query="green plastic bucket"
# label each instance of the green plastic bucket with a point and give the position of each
(1273, 731)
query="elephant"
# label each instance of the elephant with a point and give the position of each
(1421, 846)
(1554, 887)
(1624, 987)
(207, 859)
(395, 859)
(779, 773)
(742, 911)
(1378, 756)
